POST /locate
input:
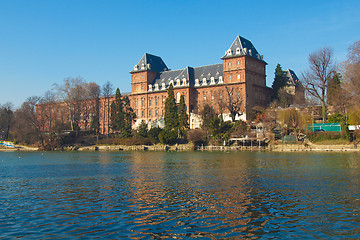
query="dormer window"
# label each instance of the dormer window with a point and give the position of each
(184, 81)
(197, 82)
(171, 82)
(220, 79)
(212, 80)
(237, 51)
(156, 87)
(178, 82)
(204, 81)
(150, 87)
(163, 85)
(142, 66)
(136, 67)
(229, 52)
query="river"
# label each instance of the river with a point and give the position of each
(185, 195)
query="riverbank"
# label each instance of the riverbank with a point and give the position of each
(309, 147)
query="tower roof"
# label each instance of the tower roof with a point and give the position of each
(241, 47)
(293, 79)
(150, 62)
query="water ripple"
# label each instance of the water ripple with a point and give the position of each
(179, 196)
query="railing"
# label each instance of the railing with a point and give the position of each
(231, 148)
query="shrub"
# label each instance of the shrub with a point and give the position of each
(126, 141)
(153, 134)
(168, 136)
(322, 136)
(196, 136)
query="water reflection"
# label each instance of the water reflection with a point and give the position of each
(159, 195)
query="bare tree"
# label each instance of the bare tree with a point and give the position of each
(6, 119)
(351, 72)
(107, 91)
(29, 126)
(94, 95)
(73, 94)
(233, 102)
(316, 78)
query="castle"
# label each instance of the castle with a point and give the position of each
(239, 79)
(239, 83)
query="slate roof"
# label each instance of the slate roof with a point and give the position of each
(150, 62)
(195, 77)
(189, 74)
(240, 47)
(293, 79)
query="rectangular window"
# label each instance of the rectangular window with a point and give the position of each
(150, 102)
(156, 101)
(229, 63)
(230, 77)
(204, 96)
(212, 96)
(238, 76)
(238, 62)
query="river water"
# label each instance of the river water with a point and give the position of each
(162, 195)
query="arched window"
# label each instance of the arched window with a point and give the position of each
(178, 97)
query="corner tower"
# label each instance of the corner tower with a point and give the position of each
(145, 72)
(243, 63)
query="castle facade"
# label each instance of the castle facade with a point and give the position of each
(240, 79)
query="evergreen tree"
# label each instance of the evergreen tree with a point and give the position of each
(142, 131)
(334, 89)
(183, 117)
(117, 112)
(169, 135)
(279, 82)
(129, 117)
(122, 115)
(171, 116)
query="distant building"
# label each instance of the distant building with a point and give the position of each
(294, 87)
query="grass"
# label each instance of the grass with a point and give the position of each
(333, 142)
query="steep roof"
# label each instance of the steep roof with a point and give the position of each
(240, 47)
(209, 71)
(204, 74)
(293, 79)
(150, 62)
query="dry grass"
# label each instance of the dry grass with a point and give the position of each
(333, 142)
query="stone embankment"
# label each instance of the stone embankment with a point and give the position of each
(313, 147)
(177, 147)
(308, 147)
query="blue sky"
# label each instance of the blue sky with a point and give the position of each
(44, 42)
